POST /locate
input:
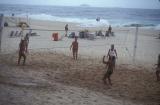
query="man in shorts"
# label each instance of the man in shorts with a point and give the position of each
(110, 67)
(22, 51)
(74, 47)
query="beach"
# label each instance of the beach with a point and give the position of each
(51, 76)
(124, 40)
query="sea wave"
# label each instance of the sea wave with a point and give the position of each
(86, 16)
(85, 22)
(157, 27)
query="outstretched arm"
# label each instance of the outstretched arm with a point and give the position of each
(71, 46)
(19, 46)
(108, 53)
(26, 47)
(104, 62)
(116, 53)
(77, 46)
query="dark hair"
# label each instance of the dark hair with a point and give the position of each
(75, 37)
(112, 45)
(22, 40)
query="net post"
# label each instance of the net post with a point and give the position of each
(135, 43)
(1, 29)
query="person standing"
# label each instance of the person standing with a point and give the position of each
(22, 51)
(110, 67)
(109, 29)
(66, 29)
(74, 47)
(112, 54)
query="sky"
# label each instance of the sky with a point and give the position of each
(148, 4)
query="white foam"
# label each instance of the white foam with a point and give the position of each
(157, 27)
(83, 22)
(93, 23)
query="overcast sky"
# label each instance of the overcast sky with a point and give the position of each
(155, 4)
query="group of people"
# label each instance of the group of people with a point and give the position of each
(110, 64)
(108, 32)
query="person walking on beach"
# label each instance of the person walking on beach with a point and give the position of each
(112, 54)
(158, 69)
(22, 51)
(74, 47)
(66, 29)
(110, 67)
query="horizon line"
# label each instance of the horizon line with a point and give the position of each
(89, 6)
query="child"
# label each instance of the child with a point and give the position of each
(158, 69)
(22, 51)
(74, 48)
(109, 72)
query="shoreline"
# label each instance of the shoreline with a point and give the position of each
(80, 25)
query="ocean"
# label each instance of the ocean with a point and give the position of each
(86, 16)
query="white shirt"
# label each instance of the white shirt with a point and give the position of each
(112, 52)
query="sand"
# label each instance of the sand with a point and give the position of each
(51, 76)
(146, 53)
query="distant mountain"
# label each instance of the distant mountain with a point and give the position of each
(85, 5)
